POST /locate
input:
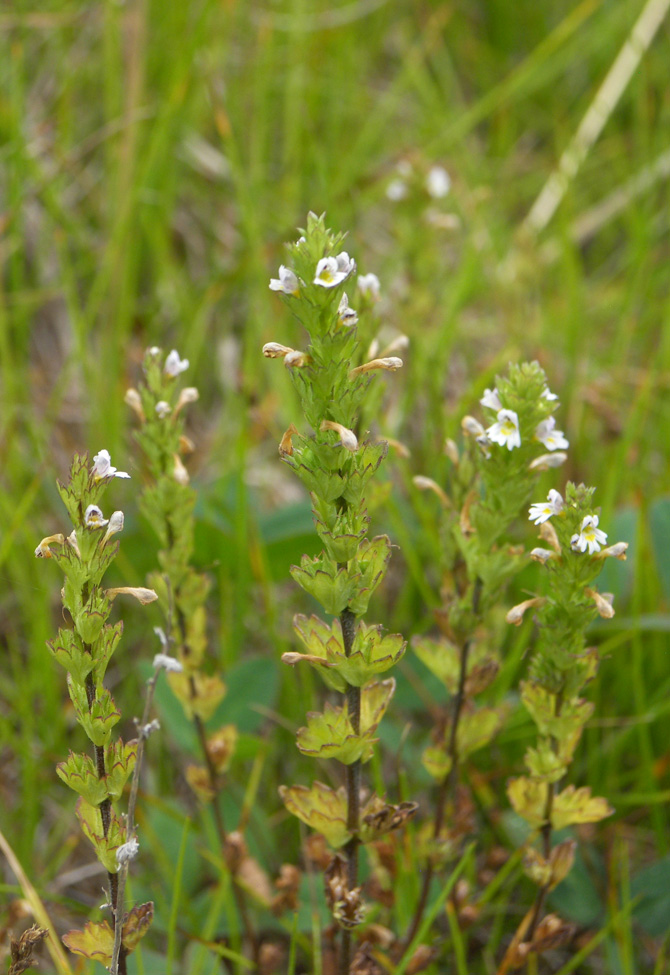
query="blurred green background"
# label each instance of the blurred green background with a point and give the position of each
(153, 158)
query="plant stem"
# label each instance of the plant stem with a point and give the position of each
(105, 810)
(353, 783)
(118, 965)
(546, 834)
(448, 784)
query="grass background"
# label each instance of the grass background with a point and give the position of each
(153, 158)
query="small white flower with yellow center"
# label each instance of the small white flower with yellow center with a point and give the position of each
(287, 282)
(547, 394)
(491, 400)
(547, 434)
(102, 467)
(94, 518)
(174, 365)
(543, 510)
(331, 271)
(368, 284)
(590, 536)
(505, 431)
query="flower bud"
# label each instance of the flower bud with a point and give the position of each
(399, 344)
(548, 534)
(348, 438)
(451, 450)
(389, 363)
(296, 359)
(179, 472)
(542, 555)
(163, 409)
(428, 484)
(141, 594)
(134, 401)
(472, 427)
(273, 350)
(516, 613)
(189, 394)
(616, 551)
(603, 602)
(115, 525)
(401, 449)
(546, 461)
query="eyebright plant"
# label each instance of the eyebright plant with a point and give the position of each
(489, 483)
(335, 462)
(561, 667)
(167, 502)
(85, 649)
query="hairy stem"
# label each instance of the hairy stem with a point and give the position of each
(353, 784)
(546, 834)
(106, 816)
(448, 785)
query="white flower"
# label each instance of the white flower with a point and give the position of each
(93, 517)
(170, 664)
(368, 284)
(174, 365)
(590, 536)
(154, 351)
(438, 182)
(163, 408)
(491, 400)
(543, 510)
(102, 467)
(505, 431)
(331, 271)
(126, 852)
(287, 282)
(551, 438)
(547, 394)
(347, 316)
(396, 190)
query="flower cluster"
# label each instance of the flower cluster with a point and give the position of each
(168, 502)
(335, 463)
(560, 668)
(85, 649)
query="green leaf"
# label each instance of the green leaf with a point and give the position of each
(321, 808)
(96, 941)
(476, 728)
(331, 735)
(437, 762)
(98, 720)
(373, 652)
(90, 820)
(80, 774)
(441, 658)
(120, 761)
(573, 806)
(331, 586)
(68, 650)
(372, 559)
(529, 799)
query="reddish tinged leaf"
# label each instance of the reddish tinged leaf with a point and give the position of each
(95, 941)
(136, 924)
